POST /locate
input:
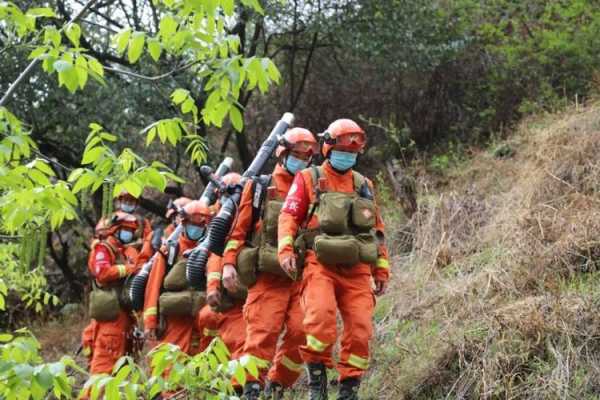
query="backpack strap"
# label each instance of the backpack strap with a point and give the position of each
(361, 185)
(259, 191)
(315, 174)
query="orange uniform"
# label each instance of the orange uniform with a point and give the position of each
(273, 303)
(109, 263)
(230, 323)
(178, 329)
(327, 288)
(144, 243)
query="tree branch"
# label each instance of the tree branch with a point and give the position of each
(296, 98)
(152, 78)
(34, 62)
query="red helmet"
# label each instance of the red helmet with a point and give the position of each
(298, 139)
(177, 204)
(118, 220)
(344, 135)
(197, 212)
(232, 178)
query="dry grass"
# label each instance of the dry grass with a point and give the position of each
(498, 298)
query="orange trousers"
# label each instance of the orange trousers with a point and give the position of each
(181, 331)
(111, 342)
(207, 325)
(232, 329)
(273, 305)
(326, 290)
(228, 325)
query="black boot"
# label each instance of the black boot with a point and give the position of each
(252, 391)
(317, 381)
(349, 389)
(273, 391)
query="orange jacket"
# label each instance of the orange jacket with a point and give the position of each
(282, 180)
(146, 251)
(214, 273)
(109, 261)
(299, 201)
(155, 282)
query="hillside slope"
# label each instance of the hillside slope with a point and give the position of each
(498, 298)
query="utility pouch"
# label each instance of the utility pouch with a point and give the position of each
(104, 304)
(246, 266)
(182, 304)
(333, 212)
(337, 250)
(268, 261)
(363, 214)
(176, 279)
(270, 221)
(367, 248)
(229, 299)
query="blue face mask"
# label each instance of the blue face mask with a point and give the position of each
(293, 164)
(194, 232)
(125, 236)
(342, 160)
(127, 207)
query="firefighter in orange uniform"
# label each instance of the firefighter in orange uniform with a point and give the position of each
(273, 303)
(222, 316)
(127, 203)
(114, 257)
(124, 203)
(173, 215)
(334, 208)
(168, 293)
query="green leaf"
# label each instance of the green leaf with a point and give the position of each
(273, 72)
(73, 32)
(44, 167)
(227, 7)
(151, 135)
(5, 337)
(108, 136)
(51, 35)
(38, 51)
(167, 27)
(121, 39)
(154, 49)
(179, 95)
(38, 177)
(81, 66)
(187, 106)
(83, 182)
(70, 79)
(92, 155)
(41, 12)
(95, 66)
(133, 188)
(136, 46)
(235, 116)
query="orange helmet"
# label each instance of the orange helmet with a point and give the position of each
(119, 220)
(197, 212)
(298, 139)
(125, 195)
(177, 204)
(344, 135)
(232, 178)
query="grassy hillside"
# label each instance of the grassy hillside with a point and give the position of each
(498, 298)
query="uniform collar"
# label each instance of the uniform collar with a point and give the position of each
(283, 174)
(330, 170)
